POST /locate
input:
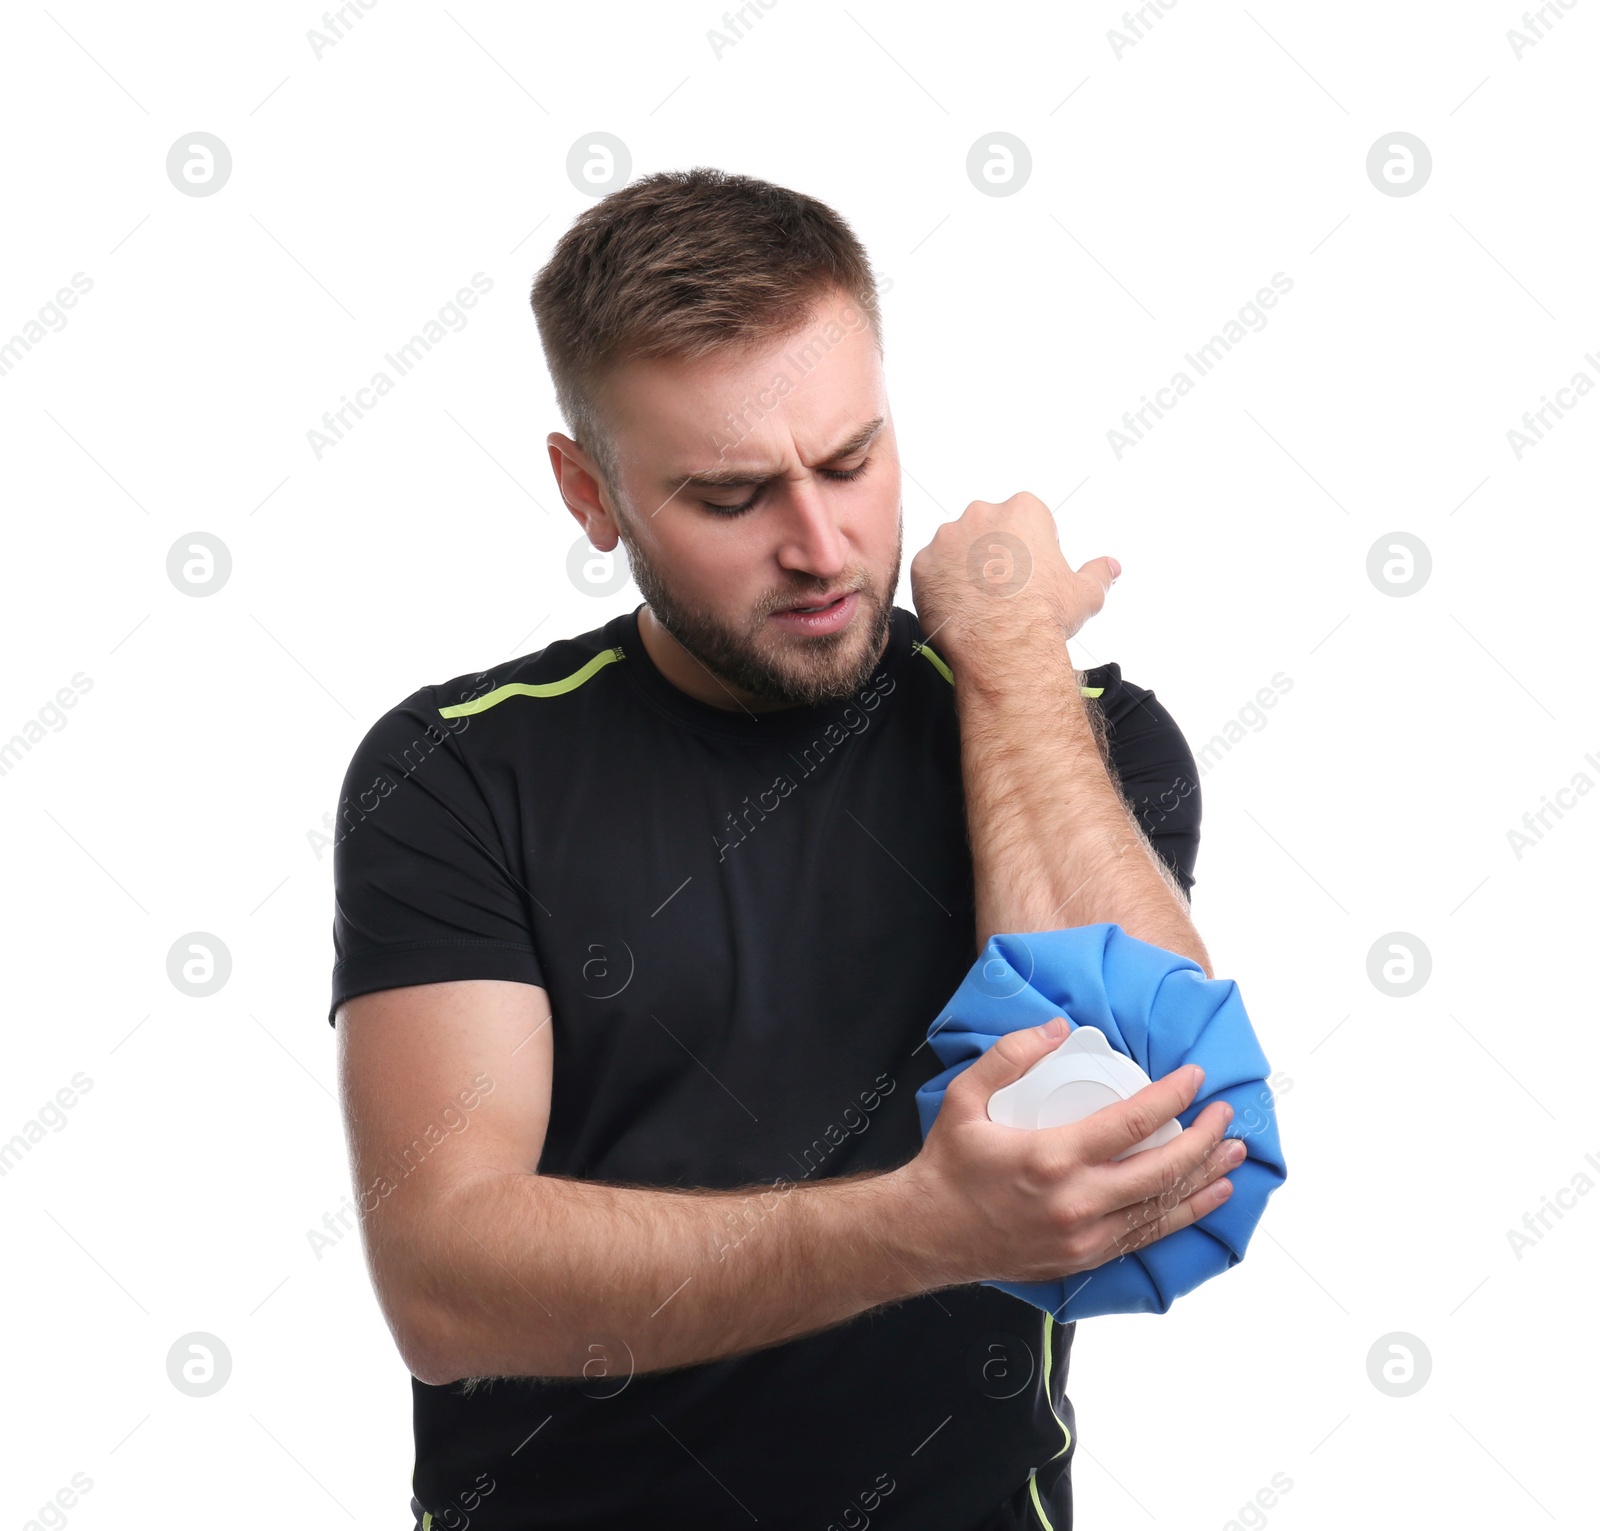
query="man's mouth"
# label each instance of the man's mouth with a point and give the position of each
(819, 617)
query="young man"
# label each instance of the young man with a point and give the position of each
(639, 938)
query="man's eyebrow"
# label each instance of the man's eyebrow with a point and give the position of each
(738, 478)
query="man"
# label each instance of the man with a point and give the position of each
(639, 938)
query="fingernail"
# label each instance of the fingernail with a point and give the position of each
(1198, 1073)
(1054, 1027)
(1233, 1153)
(1116, 568)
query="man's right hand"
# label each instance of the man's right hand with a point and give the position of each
(984, 1202)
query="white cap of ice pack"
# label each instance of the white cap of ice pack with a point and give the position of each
(1079, 1077)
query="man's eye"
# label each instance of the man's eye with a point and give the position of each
(836, 475)
(732, 510)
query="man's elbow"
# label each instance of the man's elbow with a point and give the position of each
(441, 1343)
(423, 1339)
(425, 1333)
(438, 1346)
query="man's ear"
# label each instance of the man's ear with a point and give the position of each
(582, 492)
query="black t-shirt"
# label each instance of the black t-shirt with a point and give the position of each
(745, 924)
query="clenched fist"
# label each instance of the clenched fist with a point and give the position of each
(996, 576)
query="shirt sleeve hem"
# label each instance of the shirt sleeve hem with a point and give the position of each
(419, 962)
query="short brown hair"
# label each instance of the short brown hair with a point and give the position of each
(683, 263)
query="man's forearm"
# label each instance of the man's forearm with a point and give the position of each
(1053, 843)
(531, 1275)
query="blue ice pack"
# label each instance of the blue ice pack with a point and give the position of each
(1160, 1010)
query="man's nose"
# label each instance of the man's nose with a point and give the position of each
(813, 540)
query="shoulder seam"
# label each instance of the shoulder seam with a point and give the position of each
(524, 688)
(944, 669)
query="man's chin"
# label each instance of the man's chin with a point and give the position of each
(809, 684)
(791, 670)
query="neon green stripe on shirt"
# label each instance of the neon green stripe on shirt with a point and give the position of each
(944, 670)
(522, 688)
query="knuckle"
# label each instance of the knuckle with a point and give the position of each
(1173, 1196)
(1177, 1183)
(1216, 1164)
(1134, 1234)
(1079, 1248)
(1010, 1046)
(966, 1093)
(1016, 1048)
(1156, 1228)
(1189, 1178)
(1210, 1162)
(1068, 1216)
(1160, 1215)
(1072, 1231)
(1143, 1118)
(1132, 1238)
(1038, 1168)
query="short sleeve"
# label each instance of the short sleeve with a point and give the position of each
(424, 891)
(1156, 769)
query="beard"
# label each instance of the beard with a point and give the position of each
(801, 673)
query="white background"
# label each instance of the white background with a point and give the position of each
(1168, 184)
